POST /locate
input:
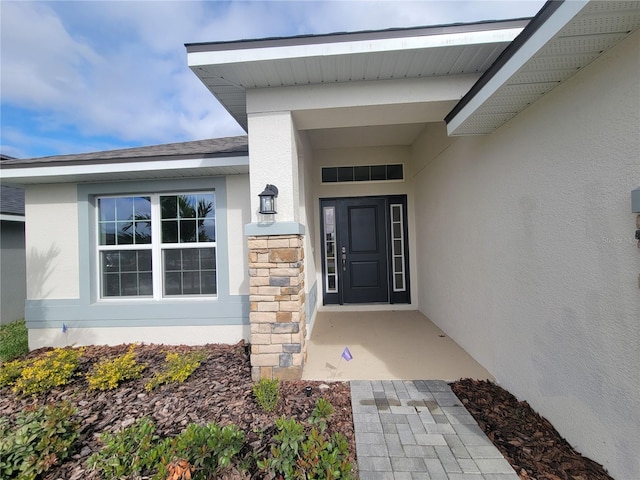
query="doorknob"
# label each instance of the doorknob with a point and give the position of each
(344, 259)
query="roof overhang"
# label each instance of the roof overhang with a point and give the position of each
(229, 69)
(150, 169)
(561, 40)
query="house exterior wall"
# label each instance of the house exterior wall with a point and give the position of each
(527, 256)
(51, 241)
(13, 279)
(62, 263)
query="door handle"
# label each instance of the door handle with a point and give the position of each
(344, 259)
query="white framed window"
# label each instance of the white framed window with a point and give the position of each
(157, 245)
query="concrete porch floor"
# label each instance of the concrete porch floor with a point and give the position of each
(385, 345)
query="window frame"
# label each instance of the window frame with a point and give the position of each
(157, 248)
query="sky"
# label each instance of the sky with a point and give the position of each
(86, 76)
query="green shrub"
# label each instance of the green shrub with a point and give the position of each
(14, 342)
(136, 451)
(131, 451)
(53, 369)
(298, 454)
(202, 449)
(177, 368)
(267, 393)
(40, 439)
(108, 374)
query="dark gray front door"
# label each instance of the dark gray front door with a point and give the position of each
(357, 251)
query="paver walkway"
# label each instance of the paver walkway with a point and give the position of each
(419, 430)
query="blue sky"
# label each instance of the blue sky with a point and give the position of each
(80, 76)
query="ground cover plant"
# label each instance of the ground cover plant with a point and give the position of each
(13, 340)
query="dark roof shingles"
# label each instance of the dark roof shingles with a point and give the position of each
(11, 200)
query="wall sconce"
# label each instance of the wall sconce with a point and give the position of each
(268, 200)
(635, 200)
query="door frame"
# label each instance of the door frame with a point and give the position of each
(399, 289)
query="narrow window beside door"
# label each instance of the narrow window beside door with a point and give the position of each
(397, 248)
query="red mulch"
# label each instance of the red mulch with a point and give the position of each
(528, 441)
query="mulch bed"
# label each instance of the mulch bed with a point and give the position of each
(528, 441)
(221, 391)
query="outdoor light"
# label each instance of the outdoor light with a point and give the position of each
(268, 199)
(635, 200)
(307, 391)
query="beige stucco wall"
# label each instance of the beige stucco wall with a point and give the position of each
(52, 241)
(238, 215)
(527, 258)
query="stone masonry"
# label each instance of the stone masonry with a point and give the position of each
(277, 316)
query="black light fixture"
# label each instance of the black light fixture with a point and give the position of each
(268, 200)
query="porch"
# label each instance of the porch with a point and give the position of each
(385, 345)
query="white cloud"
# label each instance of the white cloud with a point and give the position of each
(118, 69)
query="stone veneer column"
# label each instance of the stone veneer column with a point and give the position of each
(277, 316)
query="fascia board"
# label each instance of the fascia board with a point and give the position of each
(563, 15)
(221, 57)
(23, 174)
(12, 218)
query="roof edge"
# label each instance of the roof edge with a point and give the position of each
(541, 17)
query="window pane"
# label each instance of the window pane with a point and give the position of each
(329, 174)
(206, 206)
(144, 260)
(169, 206)
(169, 231)
(399, 281)
(143, 232)
(345, 174)
(128, 261)
(207, 259)
(191, 283)
(107, 209)
(129, 284)
(173, 259)
(110, 285)
(362, 174)
(187, 205)
(145, 284)
(396, 213)
(207, 231)
(124, 208)
(394, 172)
(208, 285)
(397, 230)
(111, 261)
(190, 259)
(142, 207)
(398, 264)
(378, 172)
(126, 273)
(187, 231)
(107, 233)
(172, 283)
(125, 233)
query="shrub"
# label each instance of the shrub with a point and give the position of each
(14, 341)
(40, 439)
(108, 374)
(177, 368)
(53, 369)
(131, 451)
(267, 393)
(198, 452)
(10, 372)
(298, 454)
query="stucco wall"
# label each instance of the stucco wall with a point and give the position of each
(52, 241)
(13, 278)
(527, 258)
(238, 215)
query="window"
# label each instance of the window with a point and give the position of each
(366, 173)
(157, 245)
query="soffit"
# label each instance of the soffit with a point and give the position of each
(575, 42)
(229, 69)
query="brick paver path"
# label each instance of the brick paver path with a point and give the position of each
(419, 430)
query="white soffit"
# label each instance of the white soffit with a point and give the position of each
(229, 69)
(574, 35)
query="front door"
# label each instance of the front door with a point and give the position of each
(364, 250)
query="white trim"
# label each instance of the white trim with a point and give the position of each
(235, 56)
(12, 218)
(122, 167)
(558, 20)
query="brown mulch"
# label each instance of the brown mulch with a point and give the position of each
(219, 391)
(528, 441)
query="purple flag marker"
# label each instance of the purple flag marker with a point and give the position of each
(64, 328)
(346, 354)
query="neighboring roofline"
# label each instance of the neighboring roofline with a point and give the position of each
(338, 37)
(532, 27)
(130, 155)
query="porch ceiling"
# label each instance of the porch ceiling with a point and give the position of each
(562, 39)
(228, 69)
